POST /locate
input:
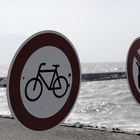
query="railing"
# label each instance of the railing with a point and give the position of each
(86, 77)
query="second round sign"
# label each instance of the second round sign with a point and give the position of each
(133, 69)
(43, 81)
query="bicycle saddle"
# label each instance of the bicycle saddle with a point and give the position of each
(56, 66)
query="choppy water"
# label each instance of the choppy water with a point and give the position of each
(102, 103)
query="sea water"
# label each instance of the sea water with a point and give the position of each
(100, 104)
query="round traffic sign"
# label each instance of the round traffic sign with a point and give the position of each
(43, 81)
(133, 69)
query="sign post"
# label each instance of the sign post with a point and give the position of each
(43, 81)
(133, 69)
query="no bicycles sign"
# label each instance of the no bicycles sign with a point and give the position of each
(133, 69)
(43, 81)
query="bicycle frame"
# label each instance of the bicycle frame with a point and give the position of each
(55, 72)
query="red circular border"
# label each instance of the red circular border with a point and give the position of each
(130, 58)
(31, 45)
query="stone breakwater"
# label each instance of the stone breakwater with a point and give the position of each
(2, 81)
(103, 76)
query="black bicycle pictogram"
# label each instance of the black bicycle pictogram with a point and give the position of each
(59, 84)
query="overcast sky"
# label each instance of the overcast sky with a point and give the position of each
(101, 30)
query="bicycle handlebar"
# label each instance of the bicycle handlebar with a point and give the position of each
(41, 65)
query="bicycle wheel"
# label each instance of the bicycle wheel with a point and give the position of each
(33, 95)
(60, 91)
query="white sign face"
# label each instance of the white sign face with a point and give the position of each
(43, 81)
(46, 82)
(136, 71)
